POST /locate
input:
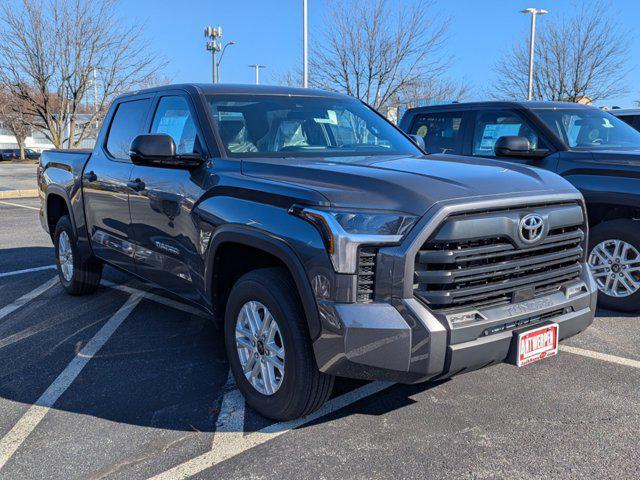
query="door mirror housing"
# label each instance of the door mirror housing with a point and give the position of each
(159, 150)
(512, 146)
(419, 141)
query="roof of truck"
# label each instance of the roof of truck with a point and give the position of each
(228, 88)
(625, 111)
(503, 103)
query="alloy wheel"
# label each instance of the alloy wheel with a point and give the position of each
(615, 265)
(260, 347)
(65, 256)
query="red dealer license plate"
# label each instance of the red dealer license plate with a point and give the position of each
(536, 344)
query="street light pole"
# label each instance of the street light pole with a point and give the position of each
(221, 56)
(214, 47)
(532, 40)
(257, 68)
(305, 45)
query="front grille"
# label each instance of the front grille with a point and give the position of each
(452, 275)
(366, 274)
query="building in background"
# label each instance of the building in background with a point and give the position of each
(39, 142)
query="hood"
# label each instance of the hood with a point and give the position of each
(410, 184)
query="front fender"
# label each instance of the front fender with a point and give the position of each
(252, 237)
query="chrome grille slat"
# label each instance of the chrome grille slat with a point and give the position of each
(474, 253)
(448, 296)
(500, 268)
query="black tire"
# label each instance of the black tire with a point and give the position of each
(86, 275)
(629, 232)
(304, 388)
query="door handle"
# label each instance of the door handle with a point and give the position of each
(136, 185)
(91, 176)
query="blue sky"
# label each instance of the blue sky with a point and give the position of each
(269, 32)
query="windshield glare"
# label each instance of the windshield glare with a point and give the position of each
(288, 126)
(590, 129)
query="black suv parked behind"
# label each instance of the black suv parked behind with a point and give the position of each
(591, 148)
(630, 116)
(321, 237)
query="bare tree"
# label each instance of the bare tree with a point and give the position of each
(381, 52)
(582, 57)
(437, 89)
(14, 117)
(63, 58)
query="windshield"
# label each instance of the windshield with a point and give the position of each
(293, 126)
(590, 128)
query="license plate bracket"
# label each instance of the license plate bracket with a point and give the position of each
(534, 344)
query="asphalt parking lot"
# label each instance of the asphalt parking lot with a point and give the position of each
(17, 176)
(132, 383)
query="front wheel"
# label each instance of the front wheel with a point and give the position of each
(77, 276)
(614, 261)
(269, 348)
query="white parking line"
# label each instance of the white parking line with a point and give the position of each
(27, 270)
(627, 362)
(230, 441)
(239, 443)
(230, 423)
(30, 420)
(12, 307)
(18, 205)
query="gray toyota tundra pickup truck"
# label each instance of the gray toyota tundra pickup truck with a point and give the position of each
(321, 237)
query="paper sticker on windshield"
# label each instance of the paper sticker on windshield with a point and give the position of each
(607, 123)
(422, 131)
(331, 120)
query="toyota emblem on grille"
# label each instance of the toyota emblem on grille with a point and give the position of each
(531, 228)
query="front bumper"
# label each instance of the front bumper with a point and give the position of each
(404, 341)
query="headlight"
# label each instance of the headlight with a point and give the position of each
(344, 231)
(359, 223)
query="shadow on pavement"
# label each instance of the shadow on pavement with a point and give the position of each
(604, 313)
(25, 257)
(162, 368)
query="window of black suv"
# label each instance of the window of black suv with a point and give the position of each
(490, 125)
(293, 126)
(589, 128)
(442, 132)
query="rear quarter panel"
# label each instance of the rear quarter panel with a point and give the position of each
(60, 174)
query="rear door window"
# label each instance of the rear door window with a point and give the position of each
(442, 132)
(490, 125)
(128, 122)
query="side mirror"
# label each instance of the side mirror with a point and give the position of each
(512, 146)
(159, 150)
(419, 141)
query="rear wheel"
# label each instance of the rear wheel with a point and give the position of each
(269, 348)
(614, 261)
(78, 277)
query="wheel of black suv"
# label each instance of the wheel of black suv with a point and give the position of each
(78, 277)
(614, 260)
(269, 348)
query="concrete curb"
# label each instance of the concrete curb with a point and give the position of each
(6, 194)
